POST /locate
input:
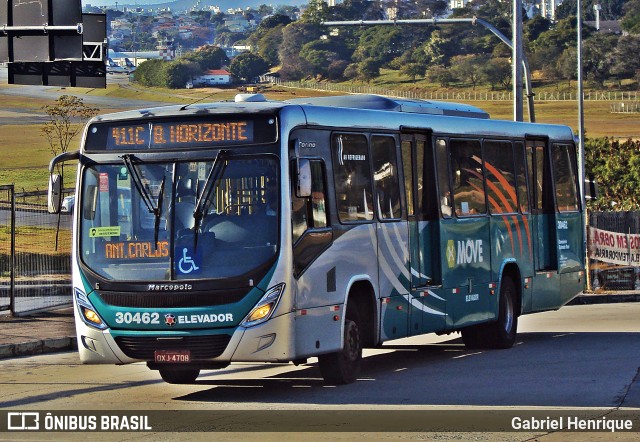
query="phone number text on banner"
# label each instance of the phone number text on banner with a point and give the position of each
(614, 247)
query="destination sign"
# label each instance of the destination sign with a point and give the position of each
(201, 132)
(136, 250)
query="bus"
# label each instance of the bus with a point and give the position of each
(277, 231)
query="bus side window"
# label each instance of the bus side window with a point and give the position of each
(352, 173)
(442, 160)
(522, 177)
(565, 173)
(468, 176)
(501, 185)
(310, 213)
(385, 177)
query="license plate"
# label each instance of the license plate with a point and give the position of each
(172, 356)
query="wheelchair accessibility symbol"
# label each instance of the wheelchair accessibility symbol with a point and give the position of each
(186, 264)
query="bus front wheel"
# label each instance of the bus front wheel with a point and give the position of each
(343, 367)
(179, 376)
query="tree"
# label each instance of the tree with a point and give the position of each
(380, 43)
(497, 71)
(597, 58)
(618, 180)
(149, 73)
(368, 69)
(177, 73)
(631, 19)
(294, 37)
(567, 65)
(208, 57)
(248, 66)
(624, 66)
(66, 118)
(467, 68)
(440, 74)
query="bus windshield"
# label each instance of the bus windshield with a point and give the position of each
(138, 219)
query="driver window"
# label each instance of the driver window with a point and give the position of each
(310, 213)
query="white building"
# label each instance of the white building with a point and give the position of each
(213, 77)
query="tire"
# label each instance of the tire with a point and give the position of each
(503, 331)
(179, 376)
(343, 367)
(500, 333)
(474, 336)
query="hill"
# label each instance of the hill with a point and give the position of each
(182, 5)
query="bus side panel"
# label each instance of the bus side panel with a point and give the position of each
(466, 268)
(511, 241)
(570, 242)
(394, 279)
(428, 307)
(325, 284)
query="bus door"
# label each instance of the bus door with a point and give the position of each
(543, 220)
(464, 231)
(427, 311)
(543, 207)
(392, 237)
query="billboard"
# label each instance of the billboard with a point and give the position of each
(52, 43)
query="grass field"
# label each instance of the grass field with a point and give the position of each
(25, 152)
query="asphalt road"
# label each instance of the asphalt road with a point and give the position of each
(580, 356)
(22, 116)
(36, 218)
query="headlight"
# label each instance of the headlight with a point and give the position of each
(265, 308)
(88, 312)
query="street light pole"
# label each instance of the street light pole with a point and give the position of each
(473, 21)
(517, 60)
(580, 97)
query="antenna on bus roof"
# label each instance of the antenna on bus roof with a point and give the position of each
(197, 101)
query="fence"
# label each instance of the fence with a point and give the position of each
(625, 107)
(456, 96)
(35, 253)
(617, 266)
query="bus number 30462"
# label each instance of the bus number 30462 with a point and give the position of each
(137, 318)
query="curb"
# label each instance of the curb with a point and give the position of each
(605, 299)
(52, 345)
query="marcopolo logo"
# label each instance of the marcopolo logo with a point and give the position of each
(464, 252)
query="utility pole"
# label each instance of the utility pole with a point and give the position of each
(580, 98)
(517, 60)
(472, 21)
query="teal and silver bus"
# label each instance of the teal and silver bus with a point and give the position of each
(277, 231)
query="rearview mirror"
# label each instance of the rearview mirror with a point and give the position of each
(89, 202)
(54, 196)
(303, 187)
(591, 191)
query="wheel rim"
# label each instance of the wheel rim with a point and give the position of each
(352, 343)
(508, 314)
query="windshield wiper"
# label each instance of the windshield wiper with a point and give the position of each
(145, 194)
(203, 201)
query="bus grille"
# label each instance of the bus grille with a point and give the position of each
(201, 347)
(171, 300)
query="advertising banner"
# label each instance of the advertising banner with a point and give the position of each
(614, 248)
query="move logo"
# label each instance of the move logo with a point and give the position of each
(464, 252)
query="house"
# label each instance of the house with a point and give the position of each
(213, 77)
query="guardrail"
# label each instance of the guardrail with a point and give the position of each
(35, 253)
(455, 96)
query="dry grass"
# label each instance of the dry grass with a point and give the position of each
(25, 153)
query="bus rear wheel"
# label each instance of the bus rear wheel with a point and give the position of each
(178, 375)
(343, 367)
(503, 331)
(500, 333)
